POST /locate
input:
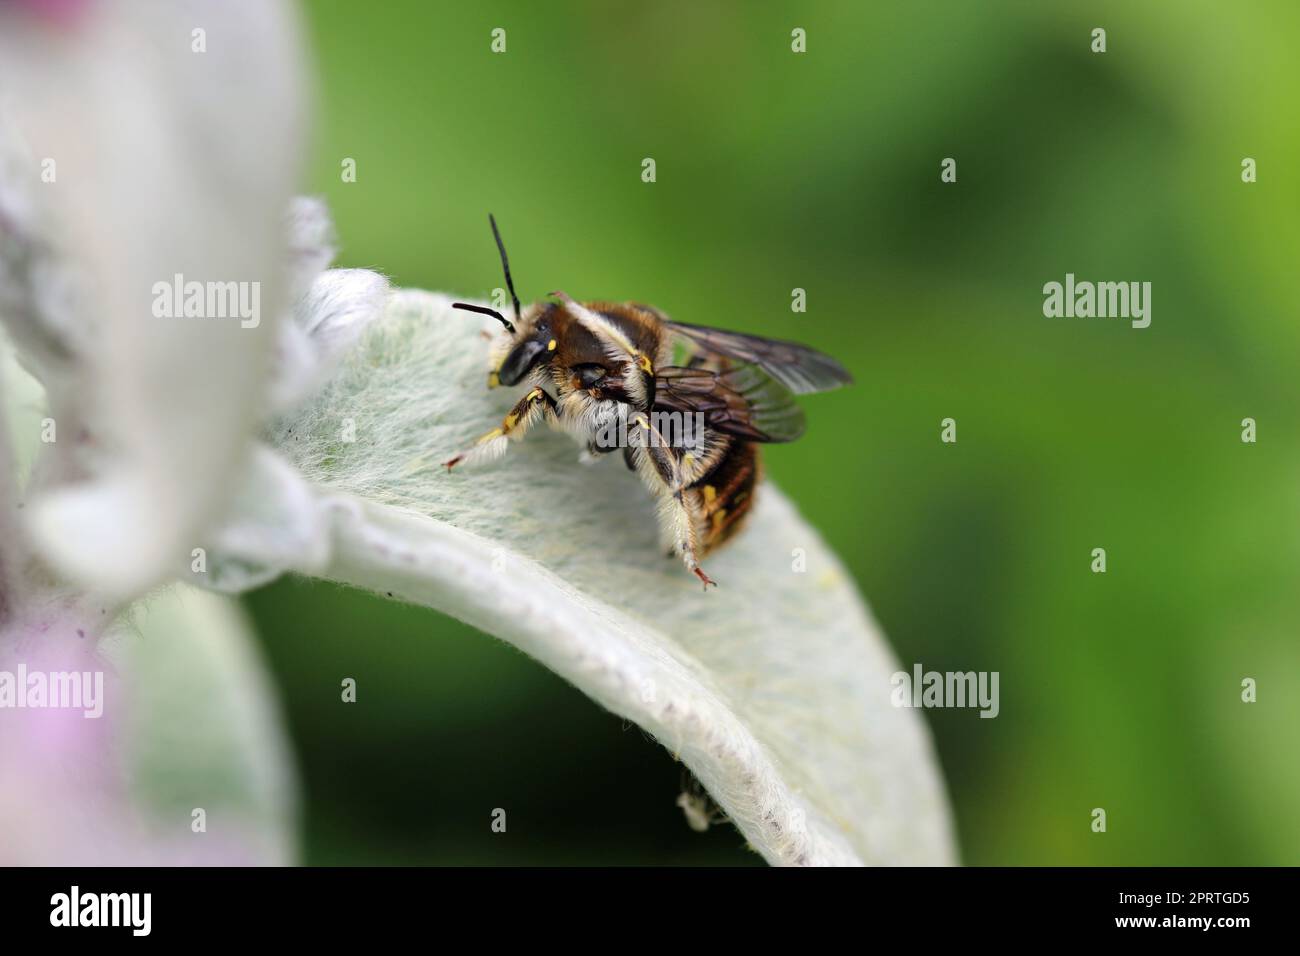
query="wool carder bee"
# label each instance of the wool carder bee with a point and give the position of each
(686, 405)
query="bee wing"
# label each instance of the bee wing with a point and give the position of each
(797, 367)
(742, 400)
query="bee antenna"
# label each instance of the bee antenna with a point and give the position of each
(484, 310)
(505, 263)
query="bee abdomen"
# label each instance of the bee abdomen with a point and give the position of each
(726, 494)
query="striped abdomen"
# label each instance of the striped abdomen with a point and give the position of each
(726, 494)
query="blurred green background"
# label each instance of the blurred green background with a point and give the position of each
(821, 171)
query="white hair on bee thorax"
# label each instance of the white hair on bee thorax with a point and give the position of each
(617, 345)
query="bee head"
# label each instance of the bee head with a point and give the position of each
(532, 343)
(531, 339)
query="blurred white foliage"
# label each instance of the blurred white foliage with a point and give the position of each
(148, 145)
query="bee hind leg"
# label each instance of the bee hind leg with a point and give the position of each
(678, 516)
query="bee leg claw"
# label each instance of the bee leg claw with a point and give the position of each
(699, 573)
(449, 465)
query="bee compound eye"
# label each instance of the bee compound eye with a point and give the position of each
(520, 361)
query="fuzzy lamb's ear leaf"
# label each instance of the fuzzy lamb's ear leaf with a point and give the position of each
(773, 688)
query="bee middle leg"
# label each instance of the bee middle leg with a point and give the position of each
(679, 508)
(534, 406)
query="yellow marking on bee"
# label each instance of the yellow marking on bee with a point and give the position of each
(535, 394)
(494, 433)
(644, 362)
(644, 424)
(718, 517)
(550, 346)
(493, 380)
(709, 494)
(510, 421)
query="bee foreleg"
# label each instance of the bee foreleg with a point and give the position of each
(534, 406)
